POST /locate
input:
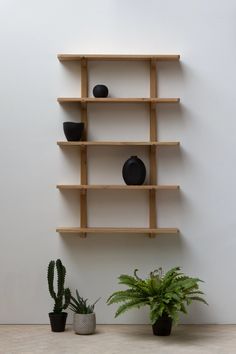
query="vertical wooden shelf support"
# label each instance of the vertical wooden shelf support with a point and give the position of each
(152, 150)
(83, 155)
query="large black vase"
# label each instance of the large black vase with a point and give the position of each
(58, 321)
(163, 326)
(100, 91)
(134, 171)
(73, 131)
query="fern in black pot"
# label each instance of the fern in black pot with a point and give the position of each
(166, 295)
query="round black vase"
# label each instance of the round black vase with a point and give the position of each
(163, 326)
(58, 321)
(100, 91)
(73, 131)
(134, 171)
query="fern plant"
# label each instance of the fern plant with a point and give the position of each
(62, 296)
(165, 294)
(79, 304)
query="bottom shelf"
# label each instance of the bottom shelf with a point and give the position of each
(116, 230)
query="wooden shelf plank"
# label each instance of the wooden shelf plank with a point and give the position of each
(118, 143)
(120, 57)
(116, 100)
(117, 186)
(116, 230)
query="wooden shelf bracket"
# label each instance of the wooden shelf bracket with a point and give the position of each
(83, 155)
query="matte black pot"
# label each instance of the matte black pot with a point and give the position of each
(58, 321)
(73, 131)
(100, 91)
(163, 326)
(134, 171)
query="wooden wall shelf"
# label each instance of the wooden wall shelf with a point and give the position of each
(153, 187)
(117, 100)
(111, 57)
(119, 143)
(116, 186)
(116, 230)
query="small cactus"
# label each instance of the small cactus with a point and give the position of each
(63, 296)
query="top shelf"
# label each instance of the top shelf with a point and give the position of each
(116, 100)
(119, 57)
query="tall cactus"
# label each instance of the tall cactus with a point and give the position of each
(62, 297)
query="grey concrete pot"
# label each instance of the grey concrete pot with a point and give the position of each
(84, 323)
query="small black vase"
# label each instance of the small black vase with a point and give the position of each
(100, 91)
(163, 326)
(73, 131)
(58, 321)
(134, 171)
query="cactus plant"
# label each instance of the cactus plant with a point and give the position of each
(62, 296)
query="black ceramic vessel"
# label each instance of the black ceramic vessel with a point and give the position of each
(163, 326)
(58, 321)
(100, 91)
(73, 131)
(134, 171)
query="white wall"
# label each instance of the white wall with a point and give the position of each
(31, 35)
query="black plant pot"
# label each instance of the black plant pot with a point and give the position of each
(134, 171)
(73, 131)
(163, 326)
(58, 321)
(100, 91)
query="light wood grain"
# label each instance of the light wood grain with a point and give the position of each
(153, 165)
(152, 149)
(153, 79)
(117, 230)
(118, 57)
(83, 155)
(119, 143)
(117, 186)
(117, 100)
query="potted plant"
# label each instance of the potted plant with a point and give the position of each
(165, 294)
(61, 298)
(84, 316)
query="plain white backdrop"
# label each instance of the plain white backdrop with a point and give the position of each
(32, 33)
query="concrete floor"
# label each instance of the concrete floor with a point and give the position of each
(122, 339)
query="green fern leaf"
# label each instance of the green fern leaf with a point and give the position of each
(129, 305)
